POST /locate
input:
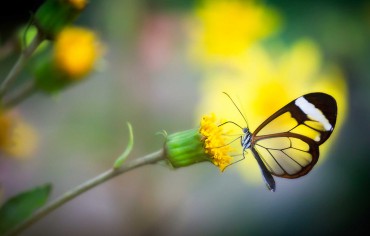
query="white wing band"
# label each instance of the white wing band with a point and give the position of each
(313, 113)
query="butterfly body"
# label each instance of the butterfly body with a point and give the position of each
(287, 143)
(246, 140)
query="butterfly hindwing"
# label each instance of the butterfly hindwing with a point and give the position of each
(288, 156)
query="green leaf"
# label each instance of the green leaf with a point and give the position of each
(21, 206)
(118, 163)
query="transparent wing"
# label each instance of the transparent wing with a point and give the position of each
(287, 155)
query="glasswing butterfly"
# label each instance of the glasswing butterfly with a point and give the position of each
(287, 143)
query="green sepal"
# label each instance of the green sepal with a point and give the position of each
(26, 35)
(48, 78)
(185, 148)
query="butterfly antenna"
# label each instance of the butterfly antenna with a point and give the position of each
(241, 113)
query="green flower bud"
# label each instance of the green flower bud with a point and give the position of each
(54, 15)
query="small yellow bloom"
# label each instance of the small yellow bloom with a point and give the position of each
(76, 52)
(17, 138)
(78, 4)
(208, 143)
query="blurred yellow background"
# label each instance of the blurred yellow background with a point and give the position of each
(166, 63)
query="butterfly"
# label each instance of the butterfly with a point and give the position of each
(287, 143)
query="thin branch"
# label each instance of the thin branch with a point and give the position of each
(18, 66)
(73, 193)
(24, 92)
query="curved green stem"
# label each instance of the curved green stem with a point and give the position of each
(73, 193)
(18, 66)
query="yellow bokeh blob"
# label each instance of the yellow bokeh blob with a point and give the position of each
(223, 29)
(18, 139)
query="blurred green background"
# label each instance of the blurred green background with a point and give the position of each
(147, 78)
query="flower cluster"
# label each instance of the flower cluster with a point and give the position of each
(75, 50)
(58, 53)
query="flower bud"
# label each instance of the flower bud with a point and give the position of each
(53, 15)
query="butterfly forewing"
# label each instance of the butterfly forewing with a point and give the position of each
(312, 115)
(288, 141)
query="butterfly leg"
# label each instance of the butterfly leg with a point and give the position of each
(269, 180)
(230, 122)
(236, 155)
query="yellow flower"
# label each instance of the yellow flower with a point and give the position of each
(17, 138)
(78, 4)
(214, 141)
(76, 51)
(208, 143)
(224, 29)
(262, 84)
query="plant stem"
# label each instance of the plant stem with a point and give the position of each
(24, 92)
(18, 66)
(73, 193)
